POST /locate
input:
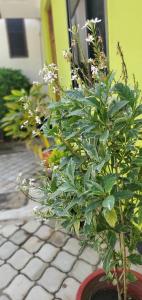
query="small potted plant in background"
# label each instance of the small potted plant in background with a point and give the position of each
(95, 188)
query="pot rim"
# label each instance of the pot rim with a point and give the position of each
(98, 273)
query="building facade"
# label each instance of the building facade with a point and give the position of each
(20, 36)
(121, 22)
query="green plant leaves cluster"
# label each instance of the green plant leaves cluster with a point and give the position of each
(96, 189)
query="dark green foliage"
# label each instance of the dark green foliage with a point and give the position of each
(96, 188)
(9, 80)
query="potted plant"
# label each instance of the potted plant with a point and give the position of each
(95, 189)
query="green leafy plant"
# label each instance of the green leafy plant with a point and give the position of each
(10, 79)
(20, 122)
(95, 189)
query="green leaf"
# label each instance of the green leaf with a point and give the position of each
(64, 188)
(93, 206)
(135, 259)
(70, 170)
(111, 217)
(97, 189)
(125, 194)
(114, 108)
(104, 136)
(108, 182)
(107, 260)
(131, 277)
(109, 202)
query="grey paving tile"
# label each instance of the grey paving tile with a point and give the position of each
(73, 246)
(64, 261)
(52, 279)
(8, 230)
(33, 244)
(6, 275)
(19, 259)
(31, 226)
(2, 240)
(7, 249)
(47, 252)
(19, 237)
(37, 293)
(34, 269)
(19, 287)
(58, 239)
(4, 297)
(90, 256)
(81, 270)
(44, 232)
(68, 290)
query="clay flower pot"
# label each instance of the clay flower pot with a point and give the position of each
(94, 283)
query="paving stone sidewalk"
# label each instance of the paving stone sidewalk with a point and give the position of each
(11, 164)
(39, 261)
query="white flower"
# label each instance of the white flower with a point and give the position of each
(34, 133)
(36, 209)
(95, 21)
(90, 38)
(92, 21)
(31, 181)
(38, 121)
(67, 55)
(74, 77)
(49, 73)
(30, 113)
(25, 106)
(25, 123)
(90, 60)
(94, 70)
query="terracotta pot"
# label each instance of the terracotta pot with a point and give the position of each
(94, 283)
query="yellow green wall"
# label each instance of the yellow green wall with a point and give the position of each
(59, 12)
(124, 19)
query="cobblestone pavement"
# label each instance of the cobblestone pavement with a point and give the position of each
(39, 261)
(11, 164)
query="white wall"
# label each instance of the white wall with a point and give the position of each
(30, 65)
(20, 8)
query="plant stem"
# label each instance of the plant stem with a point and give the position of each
(123, 256)
(118, 284)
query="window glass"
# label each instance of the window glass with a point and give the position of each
(16, 38)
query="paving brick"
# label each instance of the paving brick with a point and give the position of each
(18, 288)
(73, 246)
(90, 256)
(1, 262)
(52, 279)
(8, 230)
(6, 275)
(58, 238)
(44, 232)
(19, 237)
(2, 240)
(81, 270)
(7, 249)
(31, 226)
(33, 244)
(68, 290)
(34, 269)
(19, 259)
(47, 252)
(4, 297)
(64, 261)
(37, 293)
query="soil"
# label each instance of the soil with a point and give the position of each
(107, 295)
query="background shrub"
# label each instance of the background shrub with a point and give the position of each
(9, 80)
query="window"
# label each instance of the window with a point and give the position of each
(16, 38)
(81, 10)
